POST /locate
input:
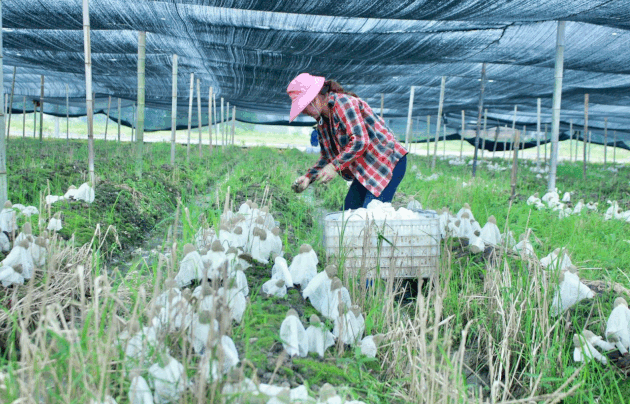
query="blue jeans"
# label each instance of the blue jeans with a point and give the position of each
(359, 197)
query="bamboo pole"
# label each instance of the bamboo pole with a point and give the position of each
(140, 126)
(41, 110)
(605, 161)
(119, 119)
(513, 127)
(222, 125)
(226, 123)
(234, 122)
(438, 119)
(444, 140)
(545, 145)
(476, 143)
(485, 135)
(216, 122)
(408, 128)
(67, 116)
(428, 133)
(556, 104)
(381, 113)
(190, 117)
(210, 118)
(199, 117)
(538, 128)
(571, 138)
(173, 107)
(107, 116)
(513, 177)
(614, 147)
(462, 134)
(3, 144)
(88, 88)
(133, 120)
(10, 106)
(24, 116)
(35, 104)
(585, 136)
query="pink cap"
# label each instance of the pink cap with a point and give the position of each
(302, 90)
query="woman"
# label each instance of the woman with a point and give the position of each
(354, 142)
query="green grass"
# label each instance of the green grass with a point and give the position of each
(142, 209)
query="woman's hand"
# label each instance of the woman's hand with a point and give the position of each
(300, 184)
(327, 173)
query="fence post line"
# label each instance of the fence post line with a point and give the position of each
(89, 97)
(585, 135)
(173, 107)
(190, 117)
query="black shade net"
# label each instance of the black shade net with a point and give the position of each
(248, 51)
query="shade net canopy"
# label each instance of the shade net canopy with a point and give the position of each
(248, 51)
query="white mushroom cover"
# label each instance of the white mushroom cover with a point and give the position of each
(293, 335)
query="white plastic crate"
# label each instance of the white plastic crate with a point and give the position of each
(411, 247)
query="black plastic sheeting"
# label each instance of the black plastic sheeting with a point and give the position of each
(248, 51)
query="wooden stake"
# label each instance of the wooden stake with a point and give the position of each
(476, 143)
(190, 117)
(408, 128)
(438, 119)
(140, 126)
(24, 114)
(210, 118)
(10, 106)
(67, 116)
(234, 122)
(199, 117)
(515, 129)
(107, 116)
(173, 107)
(216, 122)
(585, 135)
(605, 161)
(556, 104)
(41, 110)
(119, 120)
(538, 128)
(381, 113)
(485, 135)
(3, 145)
(88, 89)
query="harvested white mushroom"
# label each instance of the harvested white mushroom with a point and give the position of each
(71, 192)
(168, 380)
(304, 266)
(592, 206)
(235, 300)
(19, 255)
(239, 236)
(551, 198)
(533, 199)
(202, 330)
(7, 218)
(524, 247)
(369, 345)
(275, 242)
(597, 341)
(10, 276)
(261, 246)
(230, 355)
(38, 251)
(5, 244)
(25, 234)
(570, 291)
(465, 209)
(583, 349)
(55, 223)
(319, 338)
(349, 327)
(139, 391)
(204, 237)
(338, 296)
(217, 258)
(85, 193)
(275, 287)
(281, 271)
(566, 197)
(490, 233)
(557, 260)
(293, 335)
(578, 207)
(476, 245)
(619, 324)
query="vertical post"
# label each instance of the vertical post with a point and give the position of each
(67, 116)
(515, 146)
(210, 118)
(35, 104)
(381, 113)
(444, 140)
(513, 177)
(234, 122)
(3, 144)
(497, 136)
(216, 122)
(222, 125)
(545, 145)
(199, 117)
(23, 115)
(119, 120)
(615, 145)
(133, 120)
(571, 138)
(585, 136)
(438, 120)
(428, 134)
(88, 88)
(485, 135)
(41, 110)
(173, 107)
(140, 126)
(190, 117)
(408, 128)
(225, 128)
(476, 144)
(462, 134)
(605, 160)
(10, 106)
(107, 116)
(538, 128)
(556, 104)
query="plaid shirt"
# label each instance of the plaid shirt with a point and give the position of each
(358, 143)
